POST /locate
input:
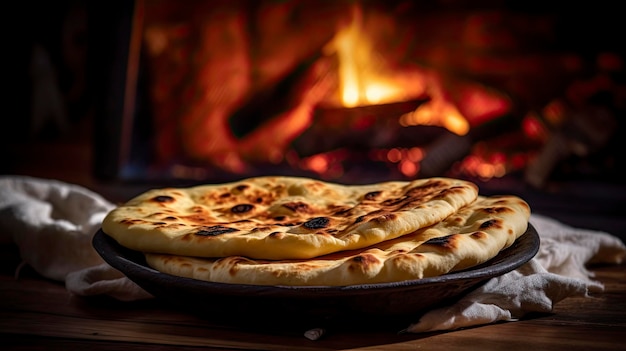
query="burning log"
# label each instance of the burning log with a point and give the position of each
(242, 89)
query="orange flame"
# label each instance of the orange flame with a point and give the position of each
(365, 79)
(362, 73)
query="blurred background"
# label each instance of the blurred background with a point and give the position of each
(523, 98)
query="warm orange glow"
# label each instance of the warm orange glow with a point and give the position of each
(327, 165)
(361, 72)
(479, 103)
(487, 164)
(364, 79)
(394, 155)
(439, 113)
(408, 168)
(415, 154)
(316, 163)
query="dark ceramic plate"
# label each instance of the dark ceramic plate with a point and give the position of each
(399, 302)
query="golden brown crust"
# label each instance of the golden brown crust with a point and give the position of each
(471, 236)
(282, 217)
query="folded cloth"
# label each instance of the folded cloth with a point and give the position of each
(557, 271)
(53, 223)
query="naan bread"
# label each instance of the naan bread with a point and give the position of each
(282, 217)
(475, 234)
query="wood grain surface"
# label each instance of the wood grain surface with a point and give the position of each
(39, 314)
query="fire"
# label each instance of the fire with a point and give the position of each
(437, 112)
(362, 73)
(365, 79)
(356, 73)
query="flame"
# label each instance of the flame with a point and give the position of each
(437, 112)
(363, 79)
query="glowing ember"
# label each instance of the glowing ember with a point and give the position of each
(533, 127)
(438, 113)
(365, 78)
(327, 165)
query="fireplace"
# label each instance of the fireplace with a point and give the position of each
(356, 92)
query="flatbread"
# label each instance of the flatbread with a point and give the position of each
(282, 217)
(475, 234)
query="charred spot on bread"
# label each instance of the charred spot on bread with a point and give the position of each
(363, 262)
(340, 211)
(442, 240)
(448, 241)
(131, 221)
(365, 258)
(242, 208)
(394, 201)
(490, 223)
(372, 195)
(479, 235)
(163, 199)
(297, 206)
(427, 188)
(215, 230)
(452, 190)
(499, 209)
(317, 223)
(242, 187)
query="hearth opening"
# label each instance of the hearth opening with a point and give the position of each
(356, 91)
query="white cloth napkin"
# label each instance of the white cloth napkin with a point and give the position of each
(53, 223)
(557, 271)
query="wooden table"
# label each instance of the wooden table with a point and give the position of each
(36, 313)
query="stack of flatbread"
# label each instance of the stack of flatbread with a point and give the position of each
(304, 232)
